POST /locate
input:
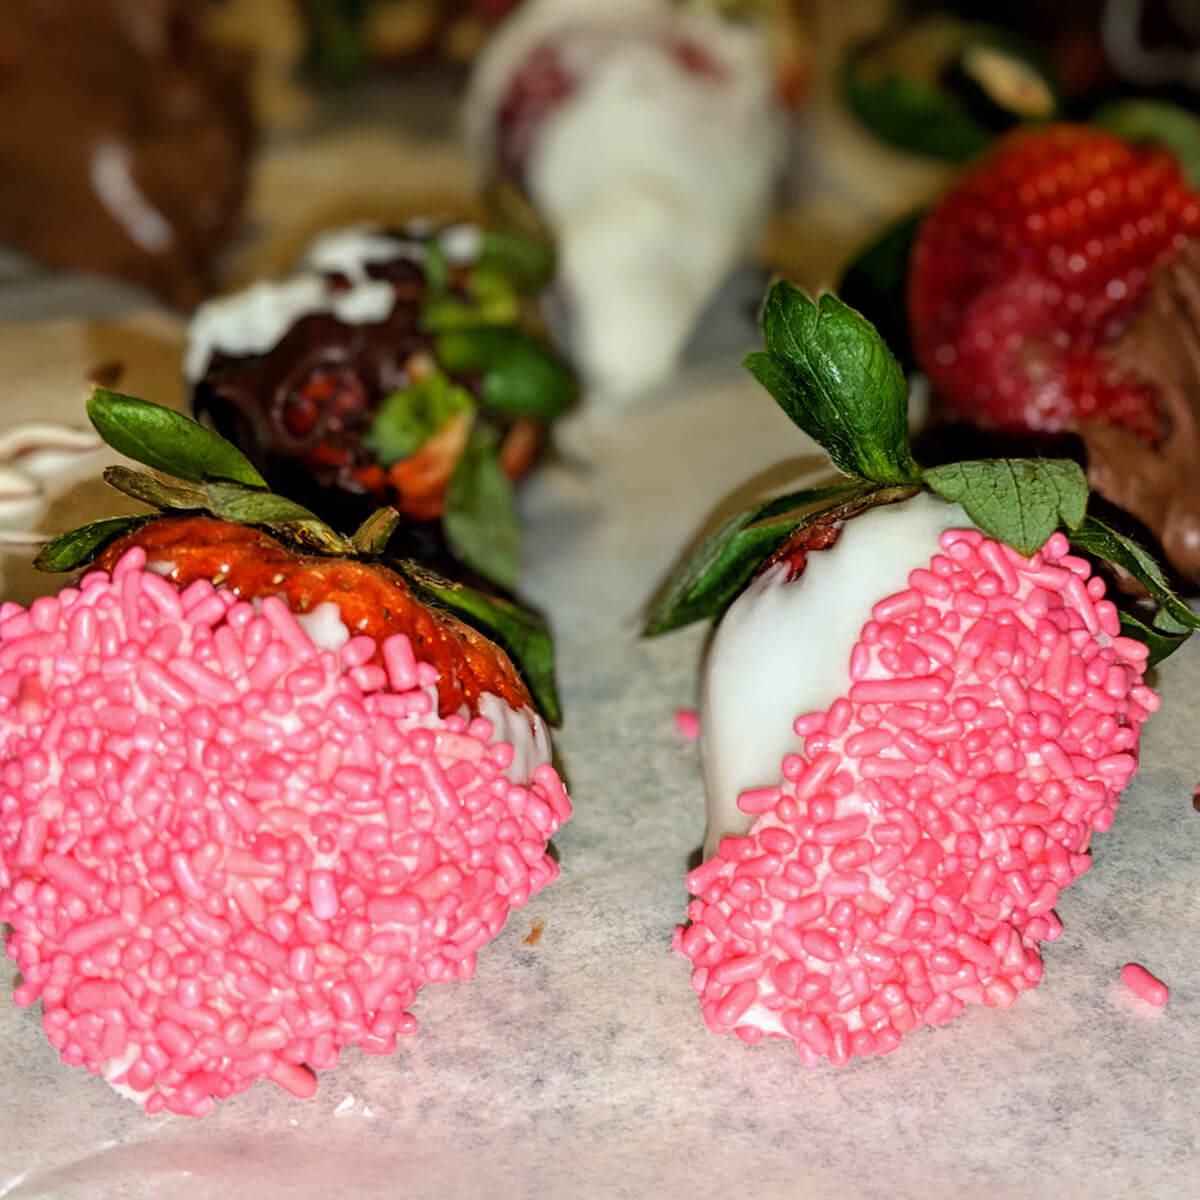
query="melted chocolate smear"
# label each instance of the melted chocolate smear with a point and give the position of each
(1150, 493)
(259, 401)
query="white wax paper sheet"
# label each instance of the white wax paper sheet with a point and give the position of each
(579, 1066)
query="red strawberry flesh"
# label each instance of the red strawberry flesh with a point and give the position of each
(373, 600)
(1034, 263)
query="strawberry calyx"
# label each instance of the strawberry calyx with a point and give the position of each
(833, 375)
(197, 475)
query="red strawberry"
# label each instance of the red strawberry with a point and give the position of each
(1035, 262)
(251, 799)
(374, 601)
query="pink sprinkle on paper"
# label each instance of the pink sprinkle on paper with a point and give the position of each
(687, 721)
(1144, 985)
(225, 853)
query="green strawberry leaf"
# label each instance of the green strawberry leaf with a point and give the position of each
(372, 536)
(914, 115)
(166, 440)
(493, 300)
(149, 489)
(521, 634)
(833, 375)
(1161, 644)
(1173, 618)
(521, 376)
(1018, 501)
(337, 48)
(874, 283)
(945, 88)
(1157, 122)
(252, 506)
(481, 516)
(435, 266)
(410, 416)
(527, 262)
(715, 573)
(78, 547)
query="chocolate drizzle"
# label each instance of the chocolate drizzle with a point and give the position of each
(126, 139)
(1159, 485)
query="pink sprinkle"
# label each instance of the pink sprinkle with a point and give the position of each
(1144, 985)
(915, 851)
(173, 923)
(400, 663)
(687, 721)
(322, 894)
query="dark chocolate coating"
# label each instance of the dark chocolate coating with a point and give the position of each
(313, 451)
(249, 400)
(125, 140)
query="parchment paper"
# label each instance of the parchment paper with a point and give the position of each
(579, 1066)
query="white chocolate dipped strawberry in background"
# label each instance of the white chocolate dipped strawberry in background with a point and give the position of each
(647, 137)
(909, 728)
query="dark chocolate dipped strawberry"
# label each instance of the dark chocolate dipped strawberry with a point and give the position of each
(917, 707)
(391, 369)
(260, 782)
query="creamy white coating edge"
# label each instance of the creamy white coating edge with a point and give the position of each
(783, 649)
(254, 320)
(521, 728)
(346, 251)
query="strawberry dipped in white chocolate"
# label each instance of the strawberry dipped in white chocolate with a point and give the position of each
(251, 800)
(910, 728)
(646, 136)
(763, 661)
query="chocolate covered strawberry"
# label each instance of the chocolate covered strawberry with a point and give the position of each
(391, 368)
(1051, 291)
(917, 708)
(259, 783)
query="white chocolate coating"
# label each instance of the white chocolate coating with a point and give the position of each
(347, 251)
(523, 730)
(324, 625)
(253, 321)
(783, 649)
(654, 178)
